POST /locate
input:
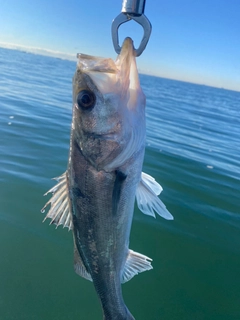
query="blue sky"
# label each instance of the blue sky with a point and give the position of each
(195, 41)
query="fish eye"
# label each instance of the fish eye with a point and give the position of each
(86, 99)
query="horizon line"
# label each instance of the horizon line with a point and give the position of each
(73, 57)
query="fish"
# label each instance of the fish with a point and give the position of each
(95, 196)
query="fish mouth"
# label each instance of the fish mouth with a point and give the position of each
(88, 63)
(127, 52)
(127, 46)
(108, 75)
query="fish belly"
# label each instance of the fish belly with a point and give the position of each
(102, 207)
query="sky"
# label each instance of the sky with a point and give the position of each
(193, 41)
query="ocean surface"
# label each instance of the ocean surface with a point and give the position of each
(192, 150)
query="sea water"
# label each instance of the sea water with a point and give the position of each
(192, 150)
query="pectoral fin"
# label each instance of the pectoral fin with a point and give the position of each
(59, 212)
(147, 198)
(135, 263)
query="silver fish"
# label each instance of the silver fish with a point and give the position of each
(95, 196)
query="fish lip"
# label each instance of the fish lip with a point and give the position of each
(126, 54)
(127, 47)
(87, 56)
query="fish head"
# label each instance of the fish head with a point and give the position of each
(108, 108)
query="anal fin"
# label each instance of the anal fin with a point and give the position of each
(135, 263)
